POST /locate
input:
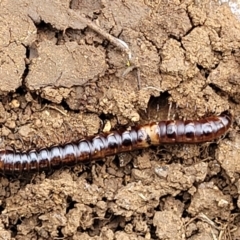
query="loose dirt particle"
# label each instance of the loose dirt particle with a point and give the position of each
(169, 225)
(210, 201)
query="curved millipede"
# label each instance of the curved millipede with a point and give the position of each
(106, 144)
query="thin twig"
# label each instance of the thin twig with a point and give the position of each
(51, 107)
(154, 88)
(115, 41)
(57, 109)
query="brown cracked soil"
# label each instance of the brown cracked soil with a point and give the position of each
(61, 80)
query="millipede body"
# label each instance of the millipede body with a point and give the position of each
(106, 144)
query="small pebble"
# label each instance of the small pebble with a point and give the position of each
(14, 103)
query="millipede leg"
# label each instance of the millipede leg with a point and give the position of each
(169, 110)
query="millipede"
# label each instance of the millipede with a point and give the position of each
(106, 144)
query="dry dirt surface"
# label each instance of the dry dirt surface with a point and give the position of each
(62, 80)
